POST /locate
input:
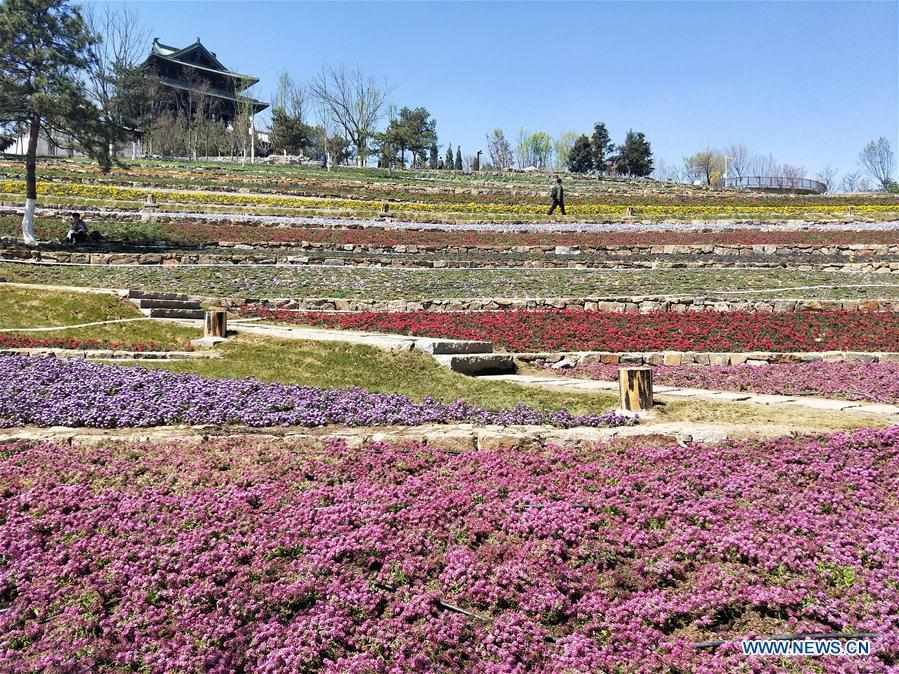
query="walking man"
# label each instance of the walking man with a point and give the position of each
(558, 196)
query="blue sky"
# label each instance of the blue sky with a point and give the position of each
(810, 82)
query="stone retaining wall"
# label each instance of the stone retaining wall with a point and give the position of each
(616, 304)
(760, 358)
(876, 265)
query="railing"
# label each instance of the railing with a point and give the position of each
(777, 183)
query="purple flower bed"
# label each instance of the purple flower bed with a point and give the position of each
(46, 391)
(846, 380)
(269, 557)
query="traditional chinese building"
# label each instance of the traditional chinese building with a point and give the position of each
(196, 81)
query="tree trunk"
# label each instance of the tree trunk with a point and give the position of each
(635, 388)
(31, 182)
(216, 324)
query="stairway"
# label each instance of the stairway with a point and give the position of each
(166, 305)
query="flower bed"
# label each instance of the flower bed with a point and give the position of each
(615, 209)
(20, 341)
(845, 380)
(573, 330)
(46, 391)
(272, 557)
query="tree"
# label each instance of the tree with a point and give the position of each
(458, 165)
(499, 150)
(354, 101)
(522, 149)
(562, 148)
(791, 176)
(738, 161)
(434, 157)
(420, 131)
(580, 157)
(122, 90)
(540, 148)
(635, 155)
(878, 161)
(851, 181)
(288, 134)
(45, 50)
(602, 147)
(828, 177)
(706, 166)
(448, 162)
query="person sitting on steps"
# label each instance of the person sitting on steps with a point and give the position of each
(558, 196)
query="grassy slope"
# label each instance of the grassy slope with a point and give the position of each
(332, 365)
(30, 308)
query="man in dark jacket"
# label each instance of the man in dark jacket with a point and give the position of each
(558, 196)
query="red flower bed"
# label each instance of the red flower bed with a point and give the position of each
(15, 341)
(200, 232)
(607, 331)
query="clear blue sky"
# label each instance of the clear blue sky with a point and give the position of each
(810, 82)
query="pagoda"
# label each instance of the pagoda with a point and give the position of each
(192, 72)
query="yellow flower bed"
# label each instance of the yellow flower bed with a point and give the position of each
(112, 192)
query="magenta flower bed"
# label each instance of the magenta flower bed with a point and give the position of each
(275, 557)
(845, 380)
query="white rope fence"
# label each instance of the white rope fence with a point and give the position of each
(79, 325)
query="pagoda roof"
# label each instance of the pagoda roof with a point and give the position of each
(176, 55)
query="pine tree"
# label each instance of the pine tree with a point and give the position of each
(45, 47)
(433, 160)
(459, 158)
(601, 146)
(448, 162)
(635, 156)
(580, 158)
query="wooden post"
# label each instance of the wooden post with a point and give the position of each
(216, 324)
(635, 388)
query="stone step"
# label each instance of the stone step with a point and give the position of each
(178, 313)
(145, 303)
(451, 347)
(478, 364)
(142, 295)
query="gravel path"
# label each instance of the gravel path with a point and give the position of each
(641, 226)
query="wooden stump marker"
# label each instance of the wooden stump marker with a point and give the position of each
(635, 388)
(216, 324)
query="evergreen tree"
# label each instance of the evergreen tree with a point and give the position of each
(635, 156)
(601, 146)
(434, 160)
(288, 133)
(580, 158)
(459, 158)
(45, 49)
(448, 162)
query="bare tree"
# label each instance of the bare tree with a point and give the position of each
(354, 102)
(113, 82)
(290, 97)
(827, 176)
(668, 172)
(792, 176)
(878, 161)
(499, 150)
(765, 166)
(851, 181)
(738, 161)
